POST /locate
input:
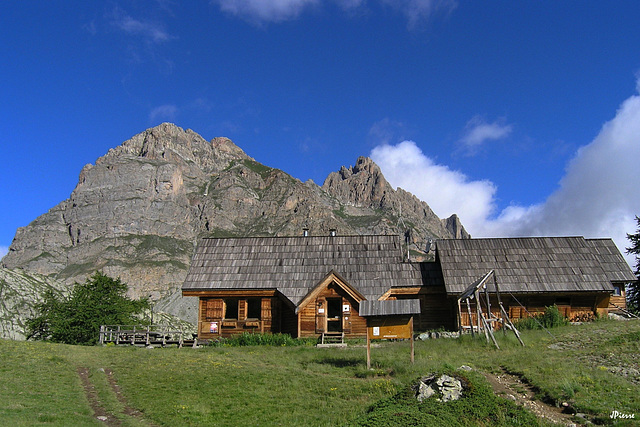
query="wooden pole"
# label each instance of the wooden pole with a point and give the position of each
(478, 310)
(470, 318)
(511, 325)
(368, 350)
(412, 349)
(459, 317)
(504, 312)
(486, 295)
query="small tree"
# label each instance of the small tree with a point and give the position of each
(101, 300)
(633, 290)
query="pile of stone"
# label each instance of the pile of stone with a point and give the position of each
(445, 387)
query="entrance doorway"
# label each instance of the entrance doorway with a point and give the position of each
(334, 315)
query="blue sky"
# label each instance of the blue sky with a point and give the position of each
(522, 117)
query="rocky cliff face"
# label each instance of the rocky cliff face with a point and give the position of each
(19, 293)
(138, 212)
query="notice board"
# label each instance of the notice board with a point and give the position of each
(389, 327)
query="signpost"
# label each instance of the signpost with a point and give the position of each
(387, 320)
(389, 327)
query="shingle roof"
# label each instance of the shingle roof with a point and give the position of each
(531, 264)
(389, 307)
(612, 261)
(294, 265)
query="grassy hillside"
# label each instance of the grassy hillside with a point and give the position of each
(594, 368)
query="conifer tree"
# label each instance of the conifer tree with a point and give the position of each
(76, 319)
(633, 290)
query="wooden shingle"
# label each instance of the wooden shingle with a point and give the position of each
(371, 264)
(389, 307)
(530, 264)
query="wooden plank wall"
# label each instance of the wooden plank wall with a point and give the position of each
(212, 310)
(581, 307)
(619, 300)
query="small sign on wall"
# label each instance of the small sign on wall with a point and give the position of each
(321, 311)
(376, 331)
(213, 327)
(346, 308)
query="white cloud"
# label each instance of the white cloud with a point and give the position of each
(151, 31)
(598, 194)
(419, 11)
(163, 112)
(597, 197)
(3, 251)
(478, 131)
(445, 190)
(263, 11)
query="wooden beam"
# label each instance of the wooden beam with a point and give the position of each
(505, 316)
(412, 349)
(470, 317)
(368, 350)
(219, 293)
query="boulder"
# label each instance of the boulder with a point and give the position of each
(445, 387)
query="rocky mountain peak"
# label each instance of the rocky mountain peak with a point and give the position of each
(454, 225)
(361, 185)
(167, 141)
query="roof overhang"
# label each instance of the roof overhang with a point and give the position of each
(389, 307)
(331, 277)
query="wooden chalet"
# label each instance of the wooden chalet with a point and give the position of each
(311, 285)
(578, 275)
(304, 286)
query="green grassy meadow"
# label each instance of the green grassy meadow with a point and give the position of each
(593, 367)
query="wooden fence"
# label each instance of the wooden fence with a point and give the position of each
(146, 335)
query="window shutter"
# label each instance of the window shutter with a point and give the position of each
(214, 309)
(265, 309)
(242, 309)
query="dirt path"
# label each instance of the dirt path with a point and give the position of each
(99, 411)
(92, 396)
(514, 388)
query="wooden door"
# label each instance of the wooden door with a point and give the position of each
(334, 315)
(346, 316)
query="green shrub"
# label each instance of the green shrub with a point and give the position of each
(551, 318)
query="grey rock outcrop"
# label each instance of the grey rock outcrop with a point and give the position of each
(139, 210)
(19, 293)
(444, 387)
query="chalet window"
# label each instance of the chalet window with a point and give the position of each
(231, 308)
(254, 308)
(616, 291)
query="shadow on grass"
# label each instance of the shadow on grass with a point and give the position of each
(340, 362)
